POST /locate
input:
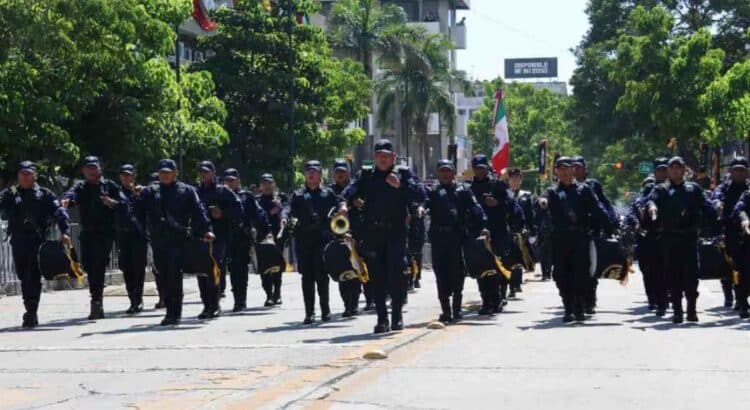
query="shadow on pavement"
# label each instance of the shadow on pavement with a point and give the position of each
(351, 338)
(140, 328)
(49, 326)
(297, 326)
(557, 323)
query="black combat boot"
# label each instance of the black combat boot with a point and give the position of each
(568, 306)
(30, 319)
(97, 310)
(445, 306)
(677, 310)
(457, 312)
(579, 308)
(397, 321)
(727, 288)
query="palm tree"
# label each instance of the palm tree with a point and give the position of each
(364, 28)
(417, 83)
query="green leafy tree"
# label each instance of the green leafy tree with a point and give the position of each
(91, 76)
(728, 100)
(251, 67)
(657, 47)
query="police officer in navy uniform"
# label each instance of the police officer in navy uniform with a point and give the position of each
(525, 200)
(676, 210)
(649, 250)
(273, 205)
(351, 289)
(97, 199)
(581, 174)
(455, 217)
(543, 227)
(574, 210)
(311, 205)
(503, 214)
(29, 208)
(724, 199)
(132, 241)
(173, 214)
(253, 225)
(225, 211)
(740, 218)
(384, 194)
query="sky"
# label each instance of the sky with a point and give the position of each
(500, 29)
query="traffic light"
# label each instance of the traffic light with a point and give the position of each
(618, 165)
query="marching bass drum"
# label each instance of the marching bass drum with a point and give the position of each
(337, 261)
(610, 260)
(269, 258)
(196, 258)
(479, 259)
(54, 262)
(713, 261)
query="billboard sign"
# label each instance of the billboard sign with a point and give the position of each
(531, 67)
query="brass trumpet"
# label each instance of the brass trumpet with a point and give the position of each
(340, 225)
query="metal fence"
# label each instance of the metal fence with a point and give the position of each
(8, 278)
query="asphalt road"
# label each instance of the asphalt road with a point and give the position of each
(524, 358)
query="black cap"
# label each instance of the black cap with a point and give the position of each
(92, 161)
(154, 177)
(515, 172)
(738, 162)
(384, 145)
(167, 165)
(661, 162)
(563, 162)
(27, 166)
(480, 161)
(313, 165)
(127, 169)
(340, 164)
(578, 160)
(677, 160)
(445, 164)
(266, 178)
(648, 180)
(207, 166)
(231, 173)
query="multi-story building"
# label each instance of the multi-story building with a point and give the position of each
(436, 16)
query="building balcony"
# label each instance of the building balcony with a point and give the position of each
(459, 36)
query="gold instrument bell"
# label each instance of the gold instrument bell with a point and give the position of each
(340, 225)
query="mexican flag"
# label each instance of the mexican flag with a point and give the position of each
(501, 154)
